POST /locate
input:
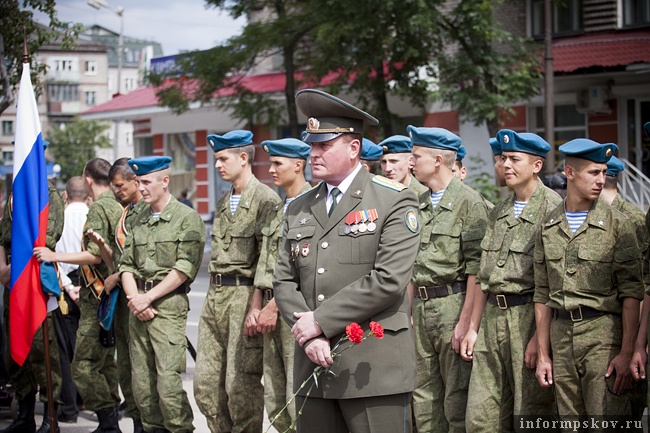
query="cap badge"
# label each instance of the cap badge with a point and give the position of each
(135, 167)
(385, 148)
(266, 148)
(608, 152)
(313, 123)
(506, 139)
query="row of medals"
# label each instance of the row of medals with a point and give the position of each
(355, 222)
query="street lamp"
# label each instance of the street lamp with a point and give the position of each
(98, 4)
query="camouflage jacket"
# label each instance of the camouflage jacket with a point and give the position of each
(132, 213)
(103, 217)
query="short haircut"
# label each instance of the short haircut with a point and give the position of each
(97, 169)
(373, 166)
(576, 163)
(249, 150)
(458, 163)
(448, 156)
(121, 167)
(75, 189)
(611, 182)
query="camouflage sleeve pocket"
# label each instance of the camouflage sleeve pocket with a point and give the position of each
(626, 254)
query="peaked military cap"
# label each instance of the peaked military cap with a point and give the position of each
(614, 166)
(287, 147)
(397, 144)
(588, 149)
(496, 147)
(438, 138)
(329, 116)
(647, 128)
(460, 153)
(149, 164)
(236, 138)
(526, 142)
(370, 151)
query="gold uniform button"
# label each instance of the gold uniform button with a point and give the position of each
(324, 245)
(321, 298)
(321, 270)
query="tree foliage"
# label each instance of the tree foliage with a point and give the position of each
(76, 144)
(16, 21)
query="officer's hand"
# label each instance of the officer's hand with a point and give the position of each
(250, 324)
(5, 275)
(306, 327)
(44, 254)
(637, 366)
(111, 282)
(147, 314)
(459, 333)
(319, 352)
(138, 303)
(621, 364)
(530, 355)
(267, 319)
(544, 372)
(467, 346)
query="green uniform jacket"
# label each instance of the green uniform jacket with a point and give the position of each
(596, 267)
(271, 243)
(417, 187)
(450, 246)
(642, 237)
(103, 217)
(130, 217)
(507, 258)
(155, 246)
(354, 277)
(236, 239)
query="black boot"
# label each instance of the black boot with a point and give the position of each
(25, 422)
(45, 426)
(108, 421)
(137, 426)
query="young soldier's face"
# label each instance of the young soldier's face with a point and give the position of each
(229, 164)
(125, 190)
(519, 168)
(284, 170)
(498, 170)
(152, 186)
(397, 166)
(424, 164)
(459, 171)
(587, 180)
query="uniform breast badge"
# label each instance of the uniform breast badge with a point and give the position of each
(372, 217)
(305, 250)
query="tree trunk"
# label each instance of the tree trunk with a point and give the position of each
(383, 114)
(290, 90)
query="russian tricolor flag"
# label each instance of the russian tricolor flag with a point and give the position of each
(27, 302)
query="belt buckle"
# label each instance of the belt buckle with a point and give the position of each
(505, 302)
(576, 319)
(148, 285)
(268, 294)
(423, 289)
(217, 280)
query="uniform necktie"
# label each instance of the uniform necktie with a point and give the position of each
(335, 193)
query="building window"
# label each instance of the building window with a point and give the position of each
(566, 15)
(8, 157)
(7, 127)
(90, 98)
(129, 84)
(636, 13)
(91, 67)
(569, 123)
(63, 65)
(63, 92)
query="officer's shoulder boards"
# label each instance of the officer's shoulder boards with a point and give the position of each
(388, 183)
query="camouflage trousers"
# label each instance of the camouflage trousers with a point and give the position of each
(227, 380)
(582, 352)
(93, 368)
(442, 375)
(157, 360)
(501, 387)
(121, 324)
(278, 375)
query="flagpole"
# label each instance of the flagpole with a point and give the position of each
(46, 336)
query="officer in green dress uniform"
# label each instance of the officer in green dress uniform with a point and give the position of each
(227, 380)
(588, 286)
(503, 385)
(453, 218)
(370, 155)
(347, 252)
(162, 255)
(397, 162)
(288, 159)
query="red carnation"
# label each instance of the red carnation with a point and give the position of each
(354, 333)
(377, 329)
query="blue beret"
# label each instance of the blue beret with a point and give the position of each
(526, 142)
(647, 129)
(397, 144)
(460, 154)
(496, 147)
(588, 149)
(614, 166)
(149, 164)
(236, 138)
(437, 138)
(370, 151)
(287, 147)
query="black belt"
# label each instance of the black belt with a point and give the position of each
(505, 301)
(267, 294)
(578, 314)
(230, 280)
(431, 292)
(145, 286)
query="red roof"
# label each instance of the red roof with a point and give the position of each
(617, 49)
(139, 98)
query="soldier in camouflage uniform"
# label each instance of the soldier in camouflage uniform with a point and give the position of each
(227, 381)
(503, 381)
(397, 162)
(587, 291)
(453, 218)
(288, 160)
(162, 256)
(26, 379)
(94, 370)
(459, 170)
